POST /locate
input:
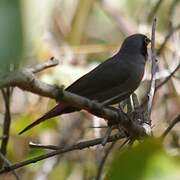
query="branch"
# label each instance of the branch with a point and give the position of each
(173, 123)
(172, 7)
(42, 146)
(7, 122)
(123, 23)
(26, 80)
(50, 63)
(59, 150)
(154, 10)
(9, 164)
(103, 160)
(153, 70)
(167, 78)
(169, 34)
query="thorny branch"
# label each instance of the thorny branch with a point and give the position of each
(6, 161)
(59, 150)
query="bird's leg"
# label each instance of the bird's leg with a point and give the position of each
(135, 101)
(124, 103)
(120, 111)
(107, 134)
(122, 114)
(129, 106)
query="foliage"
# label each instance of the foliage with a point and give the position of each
(145, 161)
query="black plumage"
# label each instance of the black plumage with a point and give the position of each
(118, 77)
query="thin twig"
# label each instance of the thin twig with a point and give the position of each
(176, 77)
(168, 78)
(169, 34)
(65, 138)
(153, 70)
(48, 64)
(172, 7)
(107, 134)
(103, 160)
(41, 146)
(101, 164)
(172, 124)
(6, 123)
(9, 164)
(154, 10)
(123, 23)
(80, 145)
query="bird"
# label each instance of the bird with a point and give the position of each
(113, 81)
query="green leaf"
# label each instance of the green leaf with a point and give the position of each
(10, 34)
(145, 161)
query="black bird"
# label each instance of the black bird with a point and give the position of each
(115, 79)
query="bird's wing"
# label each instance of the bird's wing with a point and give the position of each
(107, 75)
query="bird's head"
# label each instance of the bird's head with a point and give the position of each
(135, 44)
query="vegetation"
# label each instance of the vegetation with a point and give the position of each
(80, 34)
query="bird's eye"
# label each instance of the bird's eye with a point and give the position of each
(147, 40)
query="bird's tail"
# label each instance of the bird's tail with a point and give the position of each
(57, 110)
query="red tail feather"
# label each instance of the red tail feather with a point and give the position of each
(57, 110)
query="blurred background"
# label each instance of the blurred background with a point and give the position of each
(81, 34)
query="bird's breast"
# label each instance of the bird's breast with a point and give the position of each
(136, 73)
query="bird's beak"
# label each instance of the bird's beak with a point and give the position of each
(147, 40)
